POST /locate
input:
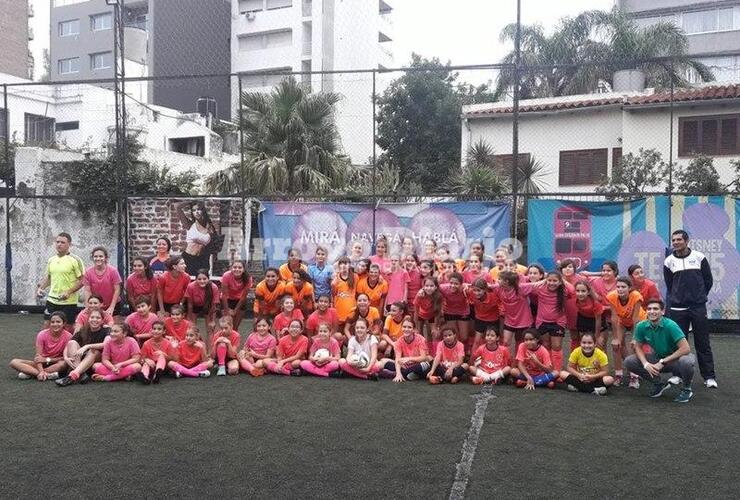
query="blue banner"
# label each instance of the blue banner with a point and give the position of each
(347, 228)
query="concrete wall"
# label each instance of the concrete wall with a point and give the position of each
(14, 37)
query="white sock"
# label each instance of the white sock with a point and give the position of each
(482, 374)
(497, 375)
(618, 372)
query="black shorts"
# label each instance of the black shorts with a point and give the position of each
(585, 324)
(456, 317)
(198, 310)
(483, 326)
(118, 310)
(515, 331)
(69, 310)
(551, 329)
(234, 302)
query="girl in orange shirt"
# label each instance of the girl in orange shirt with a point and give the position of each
(343, 291)
(364, 311)
(192, 358)
(267, 294)
(392, 329)
(626, 312)
(294, 264)
(375, 287)
(291, 350)
(301, 289)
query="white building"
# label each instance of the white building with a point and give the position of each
(82, 118)
(579, 138)
(316, 35)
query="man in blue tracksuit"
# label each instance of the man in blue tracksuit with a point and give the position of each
(688, 280)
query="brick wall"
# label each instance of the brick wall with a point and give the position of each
(14, 37)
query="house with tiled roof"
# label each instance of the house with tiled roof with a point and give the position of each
(580, 138)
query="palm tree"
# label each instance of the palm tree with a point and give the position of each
(478, 177)
(291, 144)
(586, 50)
(531, 176)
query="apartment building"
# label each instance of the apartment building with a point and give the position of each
(14, 37)
(316, 35)
(712, 27)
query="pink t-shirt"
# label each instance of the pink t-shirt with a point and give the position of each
(316, 318)
(517, 313)
(542, 355)
(455, 303)
(384, 263)
(141, 324)
(332, 346)
(197, 294)
(102, 284)
(260, 344)
(450, 355)
(547, 305)
(136, 286)
(85, 315)
(415, 282)
(470, 277)
(413, 349)
(397, 281)
(602, 289)
(50, 346)
(118, 353)
(236, 287)
(282, 320)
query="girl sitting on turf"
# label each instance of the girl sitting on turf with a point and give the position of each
(141, 321)
(288, 312)
(455, 307)
(448, 364)
(259, 349)
(362, 353)
(534, 367)
(412, 360)
(84, 349)
(176, 326)
(392, 328)
(155, 354)
(626, 311)
(324, 355)
(589, 311)
(224, 345)
(490, 362)
(324, 313)
(365, 312)
(428, 310)
(94, 303)
(192, 358)
(486, 307)
(49, 358)
(121, 356)
(588, 368)
(291, 350)
(202, 296)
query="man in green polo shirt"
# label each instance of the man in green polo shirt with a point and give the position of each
(661, 347)
(63, 276)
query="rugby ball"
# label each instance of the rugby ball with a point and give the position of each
(359, 360)
(321, 354)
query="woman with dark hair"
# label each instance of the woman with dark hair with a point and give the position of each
(202, 296)
(158, 264)
(200, 236)
(103, 280)
(141, 283)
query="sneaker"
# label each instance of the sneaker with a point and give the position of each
(336, 374)
(684, 396)
(551, 385)
(203, 374)
(84, 379)
(296, 373)
(178, 374)
(52, 376)
(221, 371)
(634, 383)
(572, 388)
(435, 380)
(454, 380)
(710, 383)
(599, 391)
(141, 378)
(412, 376)
(23, 376)
(64, 381)
(674, 380)
(618, 380)
(476, 380)
(658, 389)
(374, 377)
(156, 376)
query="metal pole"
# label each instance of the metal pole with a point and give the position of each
(375, 156)
(8, 183)
(515, 116)
(124, 117)
(121, 260)
(242, 183)
(670, 159)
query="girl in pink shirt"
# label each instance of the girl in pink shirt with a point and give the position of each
(259, 349)
(290, 351)
(155, 354)
(235, 285)
(323, 366)
(224, 345)
(517, 314)
(94, 303)
(141, 282)
(49, 358)
(192, 358)
(603, 284)
(551, 317)
(411, 262)
(475, 271)
(448, 365)
(455, 308)
(121, 356)
(141, 321)
(202, 296)
(412, 360)
(381, 256)
(535, 273)
(103, 280)
(288, 312)
(398, 282)
(567, 268)
(534, 367)
(428, 310)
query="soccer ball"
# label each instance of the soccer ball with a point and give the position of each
(321, 354)
(361, 360)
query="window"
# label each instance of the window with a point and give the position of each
(69, 28)
(583, 167)
(711, 135)
(39, 130)
(266, 40)
(68, 66)
(101, 60)
(189, 145)
(101, 22)
(62, 3)
(502, 164)
(264, 79)
(707, 21)
(62, 126)
(279, 4)
(250, 5)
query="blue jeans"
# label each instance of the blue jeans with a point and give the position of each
(682, 367)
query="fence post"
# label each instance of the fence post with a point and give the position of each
(9, 181)
(375, 157)
(670, 160)
(242, 180)
(515, 117)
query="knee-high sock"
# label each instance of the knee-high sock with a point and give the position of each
(246, 365)
(221, 351)
(145, 369)
(124, 372)
(190, 372)
(319, 371)
(557, 359)
(161, 364)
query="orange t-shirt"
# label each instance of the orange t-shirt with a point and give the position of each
(302, 296)
(149, 347)
(625, 311)
(520, 269)
(344, 298)
(190, 355)
(286, 274)
(287, 347)
(270, 297)
(177, 331)
(376, 293)
(372, 317)
(393, 328)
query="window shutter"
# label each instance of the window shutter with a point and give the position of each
(567, 171)
(689, 137)
(709, 137)
(728, 138)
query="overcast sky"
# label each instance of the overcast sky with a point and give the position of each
(466, 31)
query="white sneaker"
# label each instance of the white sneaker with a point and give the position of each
(572, 389)
(23, 376)
(52, 376)
(601, 391)
(634, 383)
(710, 383)
(221, 371)
(674, 380)
(178, 374)
(206, 374)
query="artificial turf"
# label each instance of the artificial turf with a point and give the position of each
(279, 437)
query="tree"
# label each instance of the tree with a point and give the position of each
(734, 186)
(419, 126)
(645, 171)
(291, 144)
(699, 176)
(587, 50)
(531, 176)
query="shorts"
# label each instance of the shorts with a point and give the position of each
(232, 303)
(551, 329)
(70, 311)
(483, 326)
(456, 317)
(585, 324)
(118, 310)
(198, 310)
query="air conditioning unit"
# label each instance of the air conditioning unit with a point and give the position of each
(251, 15)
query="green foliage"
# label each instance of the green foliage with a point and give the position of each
(645, 171)
(734, 186)
(7, 168)
(419, 124)
(699, 176)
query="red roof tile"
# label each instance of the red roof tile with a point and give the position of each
(693, 94)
